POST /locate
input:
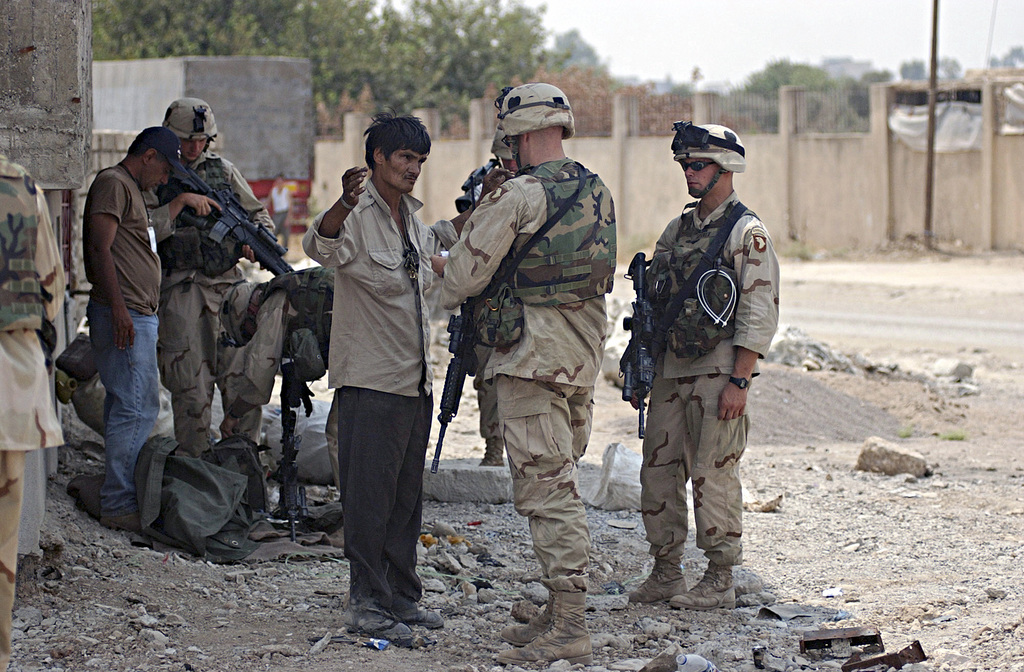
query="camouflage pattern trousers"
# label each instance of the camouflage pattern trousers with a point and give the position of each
(486, 397)
(685, 441)
(192, 360)
(12, 484)
(546, 427)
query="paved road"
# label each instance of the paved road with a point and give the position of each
(947, 304)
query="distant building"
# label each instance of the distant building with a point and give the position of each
(838, 68)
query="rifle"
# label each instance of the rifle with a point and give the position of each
(461, 344)
(293, 496)
(473, 186)
(637, 364)
(233, 220)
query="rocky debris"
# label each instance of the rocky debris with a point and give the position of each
(886, 457)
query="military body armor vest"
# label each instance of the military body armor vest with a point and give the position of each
(190, 247)
(576, 259)
(21, 295)
(695, 331)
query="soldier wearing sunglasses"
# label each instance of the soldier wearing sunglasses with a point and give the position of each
(715, 320)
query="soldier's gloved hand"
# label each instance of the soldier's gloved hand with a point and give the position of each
(495, 179)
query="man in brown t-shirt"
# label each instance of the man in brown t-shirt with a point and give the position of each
(122, 265)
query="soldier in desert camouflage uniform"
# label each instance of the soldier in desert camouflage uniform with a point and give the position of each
(697, 429)
(197, 274)
(31, 293)
(261, 317)
(486, 395)
(545, 380)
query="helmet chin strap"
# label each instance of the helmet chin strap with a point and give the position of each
(711, 185)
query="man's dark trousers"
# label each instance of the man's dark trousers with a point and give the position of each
(382, 445)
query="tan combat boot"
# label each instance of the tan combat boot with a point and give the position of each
(567, 639)
(494, 453)
(715, 591)
(521, 635)
(665, 581)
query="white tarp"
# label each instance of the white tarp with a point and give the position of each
(1013, 115)
(957, 126)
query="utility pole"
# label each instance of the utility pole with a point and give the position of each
(929, 180)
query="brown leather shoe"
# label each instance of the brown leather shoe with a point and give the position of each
(129, 522)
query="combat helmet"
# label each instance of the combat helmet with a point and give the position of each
(531, 107)
(710, 141)
(238, 312)
(191, 119)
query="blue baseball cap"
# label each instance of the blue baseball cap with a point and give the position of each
(164, 141)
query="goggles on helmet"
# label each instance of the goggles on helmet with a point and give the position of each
(690, 136)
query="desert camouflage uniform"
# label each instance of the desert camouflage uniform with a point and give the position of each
(486, 398)
(545, 382)
(191, 358)
(262, 361)
(685, 440)
(32, 290)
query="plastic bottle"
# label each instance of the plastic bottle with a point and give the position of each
(691, 662)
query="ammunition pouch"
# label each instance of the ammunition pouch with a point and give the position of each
(499, 319)
(304, 351)
(695, 332)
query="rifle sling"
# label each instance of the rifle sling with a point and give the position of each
(707, 260)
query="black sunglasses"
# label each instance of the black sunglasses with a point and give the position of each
(695, 166)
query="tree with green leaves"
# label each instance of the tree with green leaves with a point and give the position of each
(435, 53)
(784, 73)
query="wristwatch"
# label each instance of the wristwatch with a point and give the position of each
(741, 383)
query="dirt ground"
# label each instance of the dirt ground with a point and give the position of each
(935, 559)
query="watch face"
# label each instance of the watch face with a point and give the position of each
(739, 382)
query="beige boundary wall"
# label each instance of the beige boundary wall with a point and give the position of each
(828, 191)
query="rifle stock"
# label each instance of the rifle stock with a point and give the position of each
(637, 365)
(461, 344)
(233, 221)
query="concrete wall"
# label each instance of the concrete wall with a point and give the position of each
(263, 135)
(827, 191)
(45, 88)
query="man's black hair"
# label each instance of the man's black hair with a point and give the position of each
(390, 133)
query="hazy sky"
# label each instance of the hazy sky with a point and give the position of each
(730, 39)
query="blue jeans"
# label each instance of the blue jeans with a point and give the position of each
(132, 382)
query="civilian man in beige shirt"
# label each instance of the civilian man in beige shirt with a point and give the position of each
(380, 369)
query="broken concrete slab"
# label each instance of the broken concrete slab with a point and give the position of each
(466, 481)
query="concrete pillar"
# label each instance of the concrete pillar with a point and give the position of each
(789, 97)
(431, 118)
(705, 108)
(481, 129)
(625, 124)
(987, 221)
(354, 144)
(881, 145)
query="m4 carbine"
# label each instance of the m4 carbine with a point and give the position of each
(637, 363)
(233, 220)
(462, 345)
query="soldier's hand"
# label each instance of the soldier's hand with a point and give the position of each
(352, 185)
(731, 402)
(437, 262)
(495, 179)
(203, 205)
(227, 426)
(248, 253)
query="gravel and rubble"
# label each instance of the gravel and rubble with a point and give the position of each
(934, 559)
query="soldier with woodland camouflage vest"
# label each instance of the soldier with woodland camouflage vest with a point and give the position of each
(31, 293)
(545, 378)
(197, 273)
(697, 427)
